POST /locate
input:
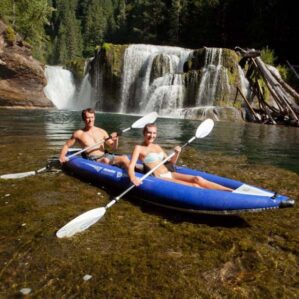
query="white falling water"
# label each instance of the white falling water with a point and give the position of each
(85, 97)
(214, 77)
(244, 82)
(138, 60)
(166, 94)
(61, 90)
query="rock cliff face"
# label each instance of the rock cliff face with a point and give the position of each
(106, 75)
(22, 77)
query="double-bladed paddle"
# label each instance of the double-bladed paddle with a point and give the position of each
(85, 220)
(140, 123)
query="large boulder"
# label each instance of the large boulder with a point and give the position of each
(106, 75)
(22, 78)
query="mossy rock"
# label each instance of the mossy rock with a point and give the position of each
(107, 65)
(77, 67)
(161, 66)
(10, 35)
(196, 62)
(112, 56)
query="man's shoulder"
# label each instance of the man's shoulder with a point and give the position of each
(78, 133)
(100, 130)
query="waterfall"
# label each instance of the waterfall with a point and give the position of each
(153, 85)
(244, 82)
(172, 81)
(62, 91)
(153, 79)
(60, 88)
(85, 96)
(165, 94)
(214, 77)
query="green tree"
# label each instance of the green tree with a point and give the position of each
(120, 32)
(147, 21)
(178, 13)
(8, 11)
(94, 27)
(28, 17)
(69, 40)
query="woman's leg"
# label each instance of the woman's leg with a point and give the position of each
(198, 181)
(123, 161)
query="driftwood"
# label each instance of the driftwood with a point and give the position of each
(283, 109)
(286, 86)
(253, 113)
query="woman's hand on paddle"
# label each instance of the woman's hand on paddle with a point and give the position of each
(136, 181)
(178, 149)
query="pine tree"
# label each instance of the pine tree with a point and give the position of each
(94, 26)
(148, 21)
(176, 17)
(69, 41)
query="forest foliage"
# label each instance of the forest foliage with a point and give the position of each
(61, 31)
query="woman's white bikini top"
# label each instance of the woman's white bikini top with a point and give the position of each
(153, 157)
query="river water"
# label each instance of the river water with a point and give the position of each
(139, 251)
(46, 131)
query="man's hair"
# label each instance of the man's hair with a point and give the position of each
(87, 110)
(145, 129)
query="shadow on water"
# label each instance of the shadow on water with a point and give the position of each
(176, 217)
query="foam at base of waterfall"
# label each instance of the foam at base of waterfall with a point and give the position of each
(217, 113)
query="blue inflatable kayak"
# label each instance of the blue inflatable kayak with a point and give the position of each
(244, 198)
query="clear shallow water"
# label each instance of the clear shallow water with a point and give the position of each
(48, 130)
(137, 250)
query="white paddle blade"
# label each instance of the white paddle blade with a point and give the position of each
(17, 175)
(81, 223)
(204, 128)
(147, 119)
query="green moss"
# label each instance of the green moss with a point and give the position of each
(225, 102)
(10, 35)
(268, 56)
(106, 46)
(230, 62)
(283, 71)
(76, 66)
(113, 57)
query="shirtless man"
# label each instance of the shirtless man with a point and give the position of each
(91, 135)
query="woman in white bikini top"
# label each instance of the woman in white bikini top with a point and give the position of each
(152, 154)
(153, 157)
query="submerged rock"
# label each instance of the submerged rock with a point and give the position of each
(87, 277)
(25, 291)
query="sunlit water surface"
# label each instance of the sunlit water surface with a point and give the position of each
(47, 131)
